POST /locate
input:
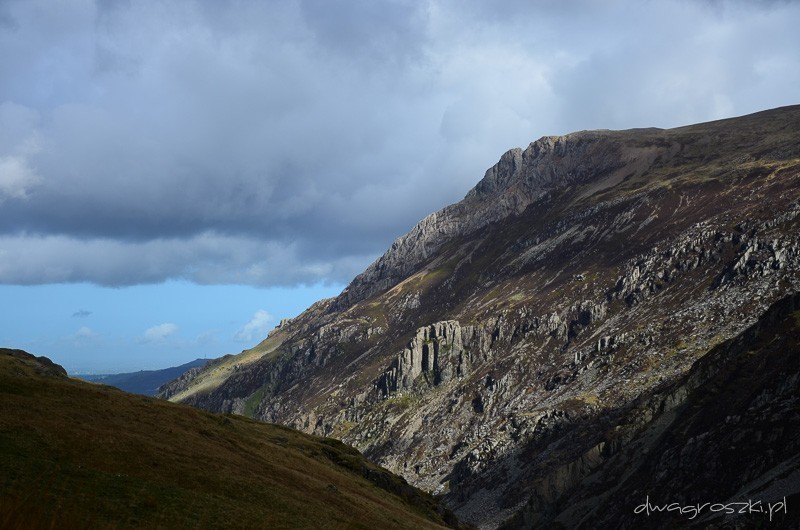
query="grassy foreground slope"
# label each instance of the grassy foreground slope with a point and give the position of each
(74, 454)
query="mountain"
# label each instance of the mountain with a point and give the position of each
(492, 353)
(146, 382)
(80, 455)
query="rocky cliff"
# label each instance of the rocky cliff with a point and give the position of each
(727, 433)
(505, 336)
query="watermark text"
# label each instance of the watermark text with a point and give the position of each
(767, 509)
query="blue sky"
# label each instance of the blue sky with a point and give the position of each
(180, 171)
(91, 329)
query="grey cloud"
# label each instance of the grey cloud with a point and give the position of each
(81, 313)
(204, 259)
(283, 143)
(681, 64)
(387, 33)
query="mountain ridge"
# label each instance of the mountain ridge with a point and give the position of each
(406, 250)
(577, 276)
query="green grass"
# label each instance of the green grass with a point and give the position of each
(343, 428)
(401, 401)
(75, 454)
(216, 373)
(255, 399)
(426, 280)
(373, 313)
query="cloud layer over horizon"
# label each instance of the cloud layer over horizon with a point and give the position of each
(288, 143)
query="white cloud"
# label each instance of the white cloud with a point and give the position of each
(16, 178)
(84, 333)
(160, 332)
(256, 329)
(19, 142)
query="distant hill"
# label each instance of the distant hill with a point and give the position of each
(78, 455)
(144, 382)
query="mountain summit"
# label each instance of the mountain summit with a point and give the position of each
(580, 299)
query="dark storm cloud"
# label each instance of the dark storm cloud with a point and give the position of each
(290, 142)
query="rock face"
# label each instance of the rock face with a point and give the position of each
(492, 353)
(728, 432)
(436, 354)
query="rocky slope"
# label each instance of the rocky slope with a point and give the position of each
(727, 433)
(81, 455)
(503, 336)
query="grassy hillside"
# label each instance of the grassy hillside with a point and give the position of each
(74, 454)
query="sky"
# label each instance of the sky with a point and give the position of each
(177, 176)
